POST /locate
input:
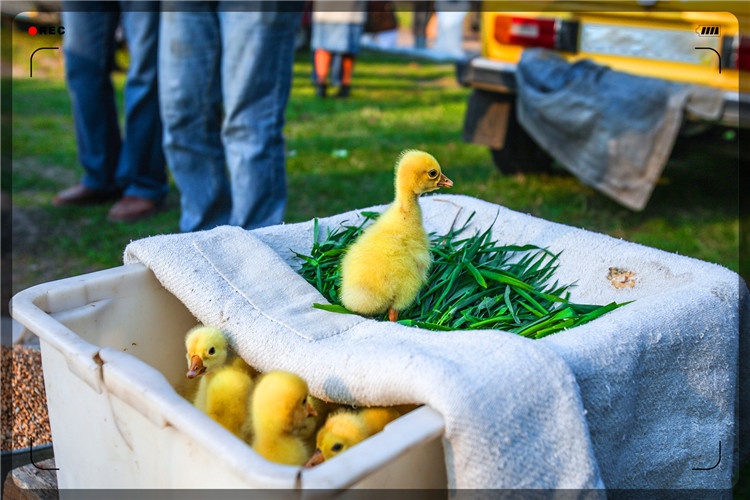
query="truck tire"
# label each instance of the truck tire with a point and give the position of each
(521, 154)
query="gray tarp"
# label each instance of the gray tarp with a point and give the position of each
(613, 130)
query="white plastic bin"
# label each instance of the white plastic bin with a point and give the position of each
(112, 351)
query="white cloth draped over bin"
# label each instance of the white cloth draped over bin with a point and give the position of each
(639, 398)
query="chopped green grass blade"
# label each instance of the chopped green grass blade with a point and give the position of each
(477, 275)
(562, 325)
(332, 308)
(533, 311)
(473, 283)
(490, 321)
(423, 324)
(504, 277)
(600, 312)
(539, 308)
(509, 303)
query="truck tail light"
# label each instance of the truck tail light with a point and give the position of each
(741, 55)
(549, 33)
(735, 52)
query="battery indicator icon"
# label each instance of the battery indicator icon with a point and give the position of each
(708, 30)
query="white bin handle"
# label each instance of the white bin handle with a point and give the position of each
(81, 356)
(33, 308)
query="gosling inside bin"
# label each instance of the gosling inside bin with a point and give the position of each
(251, 405)
(346, 428)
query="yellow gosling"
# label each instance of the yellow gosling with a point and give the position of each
(279, 408)
(386, 266)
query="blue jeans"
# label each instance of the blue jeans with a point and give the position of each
(135, 164)
(225, 78)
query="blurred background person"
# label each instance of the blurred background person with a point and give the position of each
(225, 72)
(131, 168)
(423, 11)
(381, 25)
(337, 26)
(450, 15)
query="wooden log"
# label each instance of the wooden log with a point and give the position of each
(32, 482)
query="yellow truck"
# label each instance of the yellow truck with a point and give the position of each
(694, 42)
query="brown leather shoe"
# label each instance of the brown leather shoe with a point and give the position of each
(132, 209)
(79, 195)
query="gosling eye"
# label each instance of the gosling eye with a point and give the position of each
(337, 447)
(212, 351)
(432, 173)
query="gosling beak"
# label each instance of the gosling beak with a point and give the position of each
(196, 367)
(311, 410)
(444, 182)
(316, 459)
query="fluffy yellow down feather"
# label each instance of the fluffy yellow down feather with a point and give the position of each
(279, 408)
(386, 266)
(228, 401)
(207, 351)
(345, 428)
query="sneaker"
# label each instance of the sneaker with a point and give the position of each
(80, 195)
(344, 91)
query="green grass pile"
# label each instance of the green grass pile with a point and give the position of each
(473, 283)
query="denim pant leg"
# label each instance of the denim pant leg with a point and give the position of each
(88, 49)
(257, 72)
(142, 164)
(191, 104)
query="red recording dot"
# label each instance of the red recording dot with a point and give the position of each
(32, 30)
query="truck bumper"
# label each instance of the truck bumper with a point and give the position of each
(496, 76)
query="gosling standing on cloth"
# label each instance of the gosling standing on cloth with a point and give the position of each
(386, 266)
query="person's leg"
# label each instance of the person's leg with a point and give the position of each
(190, 96)
(322, 67)
(88, 49)
(335, 69)
(350, 35)
(347, 70)
(142, 165)
(257, 71)
(419, 25)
